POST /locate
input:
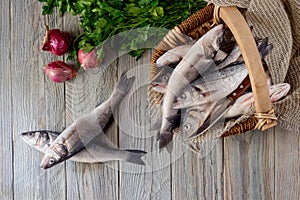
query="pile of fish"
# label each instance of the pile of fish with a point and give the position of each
(201, 83)
(77, 141)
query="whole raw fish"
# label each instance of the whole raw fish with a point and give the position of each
(101, 151)
(160, 81)
(214, 87)
(217, 85)
(76, 136)
(244, 102)
(194, 117)
(173, 56)
(196, 61)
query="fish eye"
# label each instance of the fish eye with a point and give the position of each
(183, 96)
(165, 78)
(187, 126)
(51, 161)
(219, 40)
(30, 134)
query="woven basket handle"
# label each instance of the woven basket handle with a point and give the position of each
(242, 33)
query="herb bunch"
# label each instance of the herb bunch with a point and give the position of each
(101, 19)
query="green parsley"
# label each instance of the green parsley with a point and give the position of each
(102, 19)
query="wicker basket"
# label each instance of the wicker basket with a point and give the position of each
(197, 25)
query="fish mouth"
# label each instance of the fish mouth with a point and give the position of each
(177, 105)
(158, 88)
(44, 164)
(156, 83)
(181, 105)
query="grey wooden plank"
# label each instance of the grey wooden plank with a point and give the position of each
(33, 101)
(195, 177)
(249, 166)
(90, 181)
(6, 138)
(151, 181)
(287, 162)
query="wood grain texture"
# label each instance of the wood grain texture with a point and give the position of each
(249, 166)
(90, 181)
(197, 178)
(89, 89)
(33, 101)
(254, 165)
(6, 138)
(140, 182)
(287, 164)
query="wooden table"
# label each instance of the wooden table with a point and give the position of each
(255, 165)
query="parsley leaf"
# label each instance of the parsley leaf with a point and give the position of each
(102, 19)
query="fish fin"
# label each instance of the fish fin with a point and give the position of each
(262, 44)
(174, 119)
(136, 151)
(135, 156)
(48, 131)
(220, 56)
(231, 58)
(266, 51)
(164, 139)
(263, 47)
(125, 83)
(209, 50)
(99, 103)
(55, 133)
(169, 147)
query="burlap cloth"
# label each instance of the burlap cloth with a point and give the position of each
(279, 20)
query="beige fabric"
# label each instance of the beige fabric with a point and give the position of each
(279, 20)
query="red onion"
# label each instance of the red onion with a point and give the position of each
(56, 42)
(88, 60)
(59, 71)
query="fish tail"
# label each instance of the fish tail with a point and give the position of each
(124, 84)
(174, 119)
(264, 48)
(164, 139)
(135, 156)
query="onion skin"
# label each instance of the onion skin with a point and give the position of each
(59, 71)
(56, 41)
(88, 59)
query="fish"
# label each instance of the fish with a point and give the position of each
(197, 60)
(232, 57)
(204, 143)
(235, 56)
(95, 152)
(77, 135)
(212, 88)
(230, 108)
(194, 117)
(160, 81)
(173, 56)
(246, 101)
(218, 84)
